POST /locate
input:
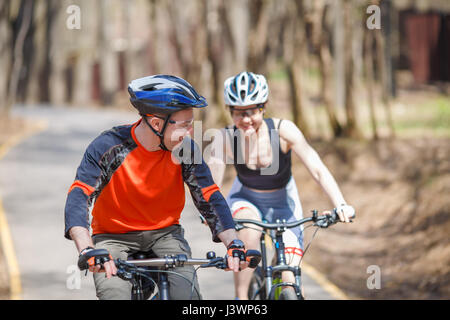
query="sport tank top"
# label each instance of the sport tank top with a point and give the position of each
(275, 176)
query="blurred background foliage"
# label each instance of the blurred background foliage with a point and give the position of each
(373, 102)
(327, 70)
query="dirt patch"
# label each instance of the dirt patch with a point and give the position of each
(400, 191)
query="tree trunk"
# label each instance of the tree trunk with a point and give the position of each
(385, 96)
(368, 61)
(154, 36)
(257, 37)
(296, 90)
(351, 128)
(5, 53)
(18, 53)
(339, 54)
(215, 51)
(46, 68)
(320, 40)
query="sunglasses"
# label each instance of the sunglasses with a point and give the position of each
(183, 124)
(249, 112)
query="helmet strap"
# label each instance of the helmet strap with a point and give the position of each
(159, 134)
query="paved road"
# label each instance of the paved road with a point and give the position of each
(34, 180)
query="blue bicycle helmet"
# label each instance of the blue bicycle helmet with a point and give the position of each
(162, 95)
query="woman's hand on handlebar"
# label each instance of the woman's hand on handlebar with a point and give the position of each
(345, 212)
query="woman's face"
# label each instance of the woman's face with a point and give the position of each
(247, 118)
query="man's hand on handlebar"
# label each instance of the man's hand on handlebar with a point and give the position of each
(236, 257)
(97, 260)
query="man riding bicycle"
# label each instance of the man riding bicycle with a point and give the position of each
(136, 187)
(260, 149)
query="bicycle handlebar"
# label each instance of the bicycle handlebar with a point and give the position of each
(179, 260)
(323, 221)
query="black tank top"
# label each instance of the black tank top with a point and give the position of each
(272, 177)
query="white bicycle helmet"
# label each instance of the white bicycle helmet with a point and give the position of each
(245, 89)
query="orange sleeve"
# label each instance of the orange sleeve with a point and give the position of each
(208, 191)
(87, 189)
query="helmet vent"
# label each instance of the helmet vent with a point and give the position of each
(252, 86)
(151, 87)
(233, 87)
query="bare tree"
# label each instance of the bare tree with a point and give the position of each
(24, 22)
(216, 52)
(351, 128)
(46, 68)
(5, 53)
(259, 11)
(295, 53)
(385, 95)
(369, 77)
(320, 39)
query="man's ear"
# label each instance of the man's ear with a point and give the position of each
(156, 123)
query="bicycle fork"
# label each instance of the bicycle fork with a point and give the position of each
(163, 286)
(279, 268)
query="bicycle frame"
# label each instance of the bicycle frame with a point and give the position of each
(163, 266)
(270, 271)
(133, 271)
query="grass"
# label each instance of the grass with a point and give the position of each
(428, 117)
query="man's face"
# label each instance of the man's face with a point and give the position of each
(179, 126)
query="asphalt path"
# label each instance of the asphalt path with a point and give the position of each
(35, 176)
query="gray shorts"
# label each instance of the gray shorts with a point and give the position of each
(161, 242)
(280, 204)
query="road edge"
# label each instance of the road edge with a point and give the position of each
(329, 287)
(6, 241)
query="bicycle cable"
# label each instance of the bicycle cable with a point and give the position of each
(173, 272)
(141, 274)
(309, 243)
(193, 282)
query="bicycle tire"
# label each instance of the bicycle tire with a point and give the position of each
(288, 294)
(256, 289)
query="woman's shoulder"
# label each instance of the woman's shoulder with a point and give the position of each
(278, 122)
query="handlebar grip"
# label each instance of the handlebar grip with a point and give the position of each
(253, 258)
(93, 257)
(335, 215)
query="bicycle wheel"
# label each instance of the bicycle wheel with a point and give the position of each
(257, 290)
(288, 294)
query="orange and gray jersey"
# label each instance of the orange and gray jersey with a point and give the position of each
(132, 189)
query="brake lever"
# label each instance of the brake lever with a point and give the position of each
(219, 263)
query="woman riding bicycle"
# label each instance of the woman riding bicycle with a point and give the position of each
(260, 150)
